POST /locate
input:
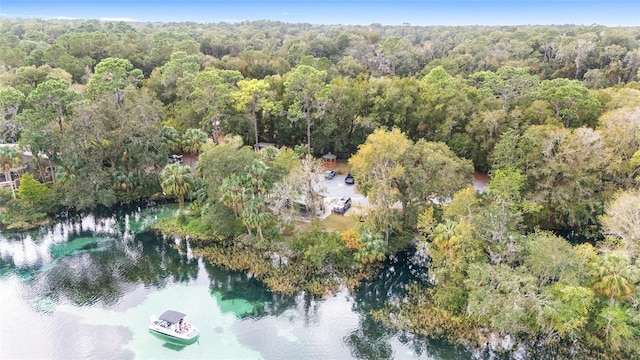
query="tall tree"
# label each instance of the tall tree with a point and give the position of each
(173, 79)
(51, 99)
(400, 102)
(10, 102)
(113, 75)
(349, 122)
(500, 219)
(253, 96)
(622, 219)
(566, 173)
(574, 105)
(620, 130)
(431, 171)
(508, 83)
(378, 166)
(105, 144)
(310, 174)
(439, 92)
(211, 97)
(307, 88)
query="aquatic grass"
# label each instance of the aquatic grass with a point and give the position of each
(149, 216)
(193, 229)
(79, 245)
(238, 307)
(280, 284)
(312, 259)
(297, 275)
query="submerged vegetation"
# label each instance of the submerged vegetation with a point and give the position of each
(93, 112)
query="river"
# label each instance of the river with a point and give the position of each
(87, 287)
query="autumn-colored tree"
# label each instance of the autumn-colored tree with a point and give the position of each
(622, 219)
(377, 167)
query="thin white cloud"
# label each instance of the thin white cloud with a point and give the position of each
(62, 18)
(117, 19)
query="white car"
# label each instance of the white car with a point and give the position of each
(329, 174)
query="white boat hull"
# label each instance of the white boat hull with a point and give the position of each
(170, 332)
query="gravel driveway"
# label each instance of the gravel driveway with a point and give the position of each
(336, 188)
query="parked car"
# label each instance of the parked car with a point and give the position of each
(175, 159)
(343, 205)
(349, 179)
(329, 174)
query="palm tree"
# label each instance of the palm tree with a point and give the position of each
(615, 276)
(255, 177)
(171, 138)
(177, 180)
(373, 248)
(234, 193)
(192, 141)
(445, 235)
(10, 157)
(254, 216)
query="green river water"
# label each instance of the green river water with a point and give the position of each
(87, 288)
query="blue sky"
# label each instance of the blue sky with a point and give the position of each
(351, 12)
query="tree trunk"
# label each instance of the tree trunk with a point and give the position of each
(53, 172)
(39, 165)
(7, 175)
(119, 98)
(556, 108)
(308, 134)
(255, 126)
(307, 117)
(386, 233)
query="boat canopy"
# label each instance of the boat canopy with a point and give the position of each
(172, 316)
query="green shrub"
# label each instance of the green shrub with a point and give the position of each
(32, 191)
(320, 248)
(196, 226)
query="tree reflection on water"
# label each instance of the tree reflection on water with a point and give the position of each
(102, 259)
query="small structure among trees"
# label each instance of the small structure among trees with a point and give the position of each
(329, 160)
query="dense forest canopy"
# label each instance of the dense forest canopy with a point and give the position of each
(552, 113)
(510, 76)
